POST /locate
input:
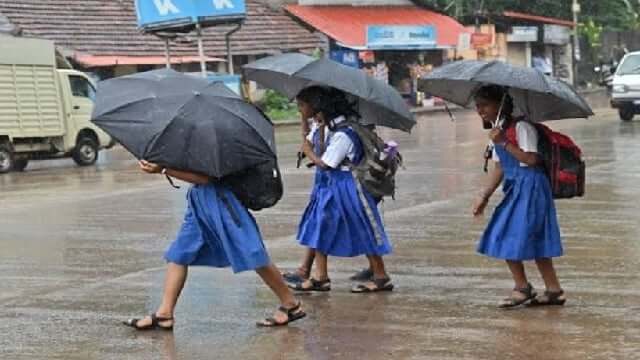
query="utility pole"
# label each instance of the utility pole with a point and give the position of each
(477, 12)
(203, 61)
(575, 9)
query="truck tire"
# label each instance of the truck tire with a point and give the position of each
(20, 164)
(85, 152)
(626, 114)
(6, 159)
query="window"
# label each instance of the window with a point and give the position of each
(81, 87)
(630, 65)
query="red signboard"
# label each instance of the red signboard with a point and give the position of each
(481, 40)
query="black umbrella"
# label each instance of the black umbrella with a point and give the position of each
(535, 94)
(184, 122)
(377, 102)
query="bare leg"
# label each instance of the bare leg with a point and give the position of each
(379, 273)
(305, 268)
(548, 272)
(174, 281)
(521, 292)
(273, 278)
(554, 295)
(321, 275)
(518, 274)
(322, 272)
(377, 266)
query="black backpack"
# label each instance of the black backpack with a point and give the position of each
(259, 187)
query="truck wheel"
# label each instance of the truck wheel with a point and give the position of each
(86, 152)
(20, 164)
(626, 114)
(6, 159)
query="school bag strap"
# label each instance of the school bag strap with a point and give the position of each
(359, 158)
(357, 144)
(377, 233)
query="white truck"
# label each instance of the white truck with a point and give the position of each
(625, 94)
(44, 111)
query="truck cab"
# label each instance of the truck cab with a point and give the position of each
(45, 111)
(82, 139)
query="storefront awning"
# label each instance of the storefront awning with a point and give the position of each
(381, 27)
(102, 61)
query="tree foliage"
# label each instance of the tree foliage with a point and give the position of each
(610, 14)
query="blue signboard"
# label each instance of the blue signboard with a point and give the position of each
(346, 57)
(401, 37)
(154, 15)
(231, 81)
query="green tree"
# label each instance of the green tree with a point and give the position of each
(592, 32)
(467, 8)
(610, 14)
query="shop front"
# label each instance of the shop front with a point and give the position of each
(541, 42)
(557, 50)
(395, 44)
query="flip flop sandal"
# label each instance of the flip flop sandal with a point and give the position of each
(293, 314)
(380, 285)
(362, 275)
(293, 277)
(550, 298)
(155, 323)
(316, 285)
(510, 302)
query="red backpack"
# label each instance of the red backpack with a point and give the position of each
(562, 160)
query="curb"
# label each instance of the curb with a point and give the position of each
(286, 123)
(592, 91)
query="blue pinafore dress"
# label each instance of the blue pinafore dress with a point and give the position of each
(524, 225)
(335, 221)
(217, 231)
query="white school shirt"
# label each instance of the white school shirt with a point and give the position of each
(527, 137)
(340, 147)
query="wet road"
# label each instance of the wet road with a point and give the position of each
(81, 250)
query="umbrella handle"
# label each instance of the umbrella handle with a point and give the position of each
(488, 153)
(451, 116)
(499, 121)
(171, 182)
(299, 159)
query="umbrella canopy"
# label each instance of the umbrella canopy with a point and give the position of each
(184, 122)
(377, 102)
(535, 94)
